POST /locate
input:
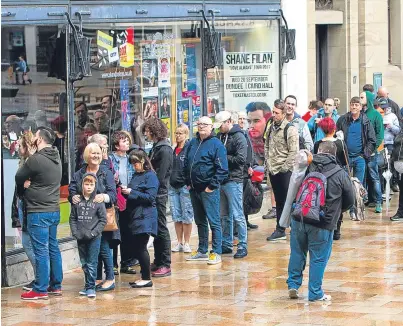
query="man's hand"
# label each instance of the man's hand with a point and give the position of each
(75, 199)
(250, 171)
(99, 198)
(208, 190)
(126, 190)
(27, 183)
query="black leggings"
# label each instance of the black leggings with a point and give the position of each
(140, 252)
(280, 183)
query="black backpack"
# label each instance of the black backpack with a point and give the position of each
(252, 197)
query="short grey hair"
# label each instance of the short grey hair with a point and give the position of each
(97, 138)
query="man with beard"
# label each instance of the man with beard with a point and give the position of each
(41, 176)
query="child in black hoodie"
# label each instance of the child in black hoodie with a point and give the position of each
(87, 221)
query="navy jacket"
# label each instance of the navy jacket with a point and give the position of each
(141, 207)
(206, 163)
(177, 179)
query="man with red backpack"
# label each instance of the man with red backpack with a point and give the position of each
(325, 193)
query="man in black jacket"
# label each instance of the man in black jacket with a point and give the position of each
(41, 176)
(231, 195)
(161, 159)
(318, 238)
(359, 136)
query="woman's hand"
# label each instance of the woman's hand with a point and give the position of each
(126, 191)
(99, 198)
(75, 199)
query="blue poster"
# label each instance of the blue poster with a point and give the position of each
(125, 104)
(189, 71)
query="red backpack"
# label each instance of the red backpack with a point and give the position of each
(311, 196)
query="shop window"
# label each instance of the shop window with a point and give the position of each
(29, 99)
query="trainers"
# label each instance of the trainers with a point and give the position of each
(55, 292)
(32, 295)
(186, 248)
(82, 292)
(326, 297)
(336, 235)
(277, 235)
(397, 218)
(29, 286)
(91, 293)
(153, 267)
(161, 272)
(226, 251)
(293, 294)
(177, 248)
(241, 253)
(128, 270)
(197, 256)
(214, 258)
(378, 208)
(271, 214)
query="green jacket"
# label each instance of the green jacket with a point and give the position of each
(376, 119)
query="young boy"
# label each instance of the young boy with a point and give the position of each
(87, 221)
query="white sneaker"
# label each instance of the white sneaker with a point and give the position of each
(293, 294)
(186, 248)
(177, 248)
(326, 297)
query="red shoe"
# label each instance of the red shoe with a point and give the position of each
(162, 272)
(55, 292)
(153, 267)
(32, 295)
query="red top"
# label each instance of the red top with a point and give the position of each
(178, 150)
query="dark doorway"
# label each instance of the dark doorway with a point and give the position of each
(322, 63)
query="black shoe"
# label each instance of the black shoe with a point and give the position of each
(240, 253)
(226, 251)
(29, 286)
(277, 235)
(136, 286)
(128, 270)
(252, 226)
(370, 204)
(336, 235)
(271, 214)
(397, 218)
(395, 188)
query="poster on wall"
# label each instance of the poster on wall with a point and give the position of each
(249, 77)
(213, 92)
(165, 102)
(189, 80)
(164, 72)
(167, 122)
(150, 70)
(125, 104)
(126, 50)
(183, 111)
(150, 107)
(196, 112)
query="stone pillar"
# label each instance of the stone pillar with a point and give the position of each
(295, 73)
(396, 32)
(30, 44)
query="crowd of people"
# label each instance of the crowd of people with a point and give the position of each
(119, 193)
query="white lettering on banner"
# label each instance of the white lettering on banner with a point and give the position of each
(250, 77)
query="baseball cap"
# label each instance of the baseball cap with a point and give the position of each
(205, 120)
(220, 118)
(383, 102)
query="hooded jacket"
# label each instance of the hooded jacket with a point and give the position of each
(44, 170)
(161, 160)
(391, 125)
(339, 191)
(376, 119)
(317, 132)
(87, 219)
(141, 203)
(367, 132)
(177, 179)
(237, 151)
(206, 163)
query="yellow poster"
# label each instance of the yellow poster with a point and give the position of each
(167, 122)
(126, 55)
(104, 40)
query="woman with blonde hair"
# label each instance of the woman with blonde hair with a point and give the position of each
(19, 212)
(179, 197)
(105, 193)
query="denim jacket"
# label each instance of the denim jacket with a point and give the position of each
(115, 162)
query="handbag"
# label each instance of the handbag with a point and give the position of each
(398, 164)
(381, 159)
(121, 201)
(111, 219)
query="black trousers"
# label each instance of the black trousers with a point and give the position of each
(139, 247)
(126, 254)
(162, 243)
(280, 183)
(400, 209)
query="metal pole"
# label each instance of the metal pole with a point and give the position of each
(3, 235)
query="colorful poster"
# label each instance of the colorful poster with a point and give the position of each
(104, 40)
(150, 70)
(125, 104)
(126, 55)
(165, 103)
(196, 112)
(150, 107)
(213, 92)
(183, 111)
(164, 72)
(167, 122)
(113, 55)
(189, 80)
(250, 77)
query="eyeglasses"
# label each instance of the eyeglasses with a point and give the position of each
(179, 133)
(203, 125)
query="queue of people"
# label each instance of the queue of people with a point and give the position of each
(119, 198)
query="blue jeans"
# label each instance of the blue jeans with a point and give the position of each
(206, 208)
(357, 166)
(181, 206)
(26, 239)
(373, 172)
(105, 258)
(231, 206)
(42, 228)
(89, 251)
(318, 242)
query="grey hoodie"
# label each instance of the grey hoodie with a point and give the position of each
(44, 170)
(87, 219)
